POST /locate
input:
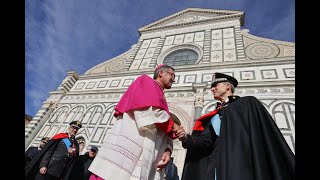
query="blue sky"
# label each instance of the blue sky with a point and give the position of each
(64, 35)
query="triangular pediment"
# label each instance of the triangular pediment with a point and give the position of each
(193, 16)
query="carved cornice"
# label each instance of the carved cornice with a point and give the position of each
(225, 15)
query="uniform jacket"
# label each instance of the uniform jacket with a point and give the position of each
(55, 157)
(29, 154)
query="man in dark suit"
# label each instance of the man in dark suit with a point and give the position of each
(33, 151)
(56, 160)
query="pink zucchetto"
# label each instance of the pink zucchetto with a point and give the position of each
(161, 65)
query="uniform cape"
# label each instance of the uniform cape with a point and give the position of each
(32, 168)
(251, 145)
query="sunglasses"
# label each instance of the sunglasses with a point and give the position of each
(76, 128)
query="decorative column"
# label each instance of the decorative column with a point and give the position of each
(199, 98)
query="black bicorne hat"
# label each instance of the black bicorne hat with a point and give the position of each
(219, 77)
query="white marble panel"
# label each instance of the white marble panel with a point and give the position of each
(178, 39)
(190, 78)
(289, 72)
(79, 85)
(269, 74)
(200, 43)
(102, 84)
(169, 40)
(216, 34)
(97, 135)
(281, 121)
(164, 48)
(247, 75)
(216, 56)
(188, 38)
(199, 36)
(206, 77)
(44, 131)
(105, 118)
(95, 118)
(115, 83)
(229, 55)
(135, 64)
(154, 42)
(149, 53)
(127, 82)
(91, 85)
(145, 63)
(228, 33)
(145, 44)
(229, 43)
(140, 53)
(216, 45)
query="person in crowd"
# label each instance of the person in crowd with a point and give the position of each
(171, 171)
(56, 160)
(139, 145)
(238, 140)
(33, 151)
(84, 161)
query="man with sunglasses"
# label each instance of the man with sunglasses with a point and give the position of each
(56, 159)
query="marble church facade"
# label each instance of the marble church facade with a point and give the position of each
(197, 43)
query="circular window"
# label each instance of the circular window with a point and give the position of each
(181, 57)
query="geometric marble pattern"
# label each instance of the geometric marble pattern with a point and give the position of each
(115, 83)
(199, 36)
(135, 64)
(102, 84)
(228, 32)
(189, 38)
(178, 39)
(230, 55)
(145, 63)
(169, 40)
(90, 85)
(190, 78)
(247, 75)
(206, 77)
(80, 85)
(269, 74)
(127, 82)
(289, 72)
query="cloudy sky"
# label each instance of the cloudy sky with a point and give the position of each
(64, 35)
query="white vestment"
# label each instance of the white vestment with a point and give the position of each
(133, 147)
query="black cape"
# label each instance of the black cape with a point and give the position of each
(32, 169)
(250, 146)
